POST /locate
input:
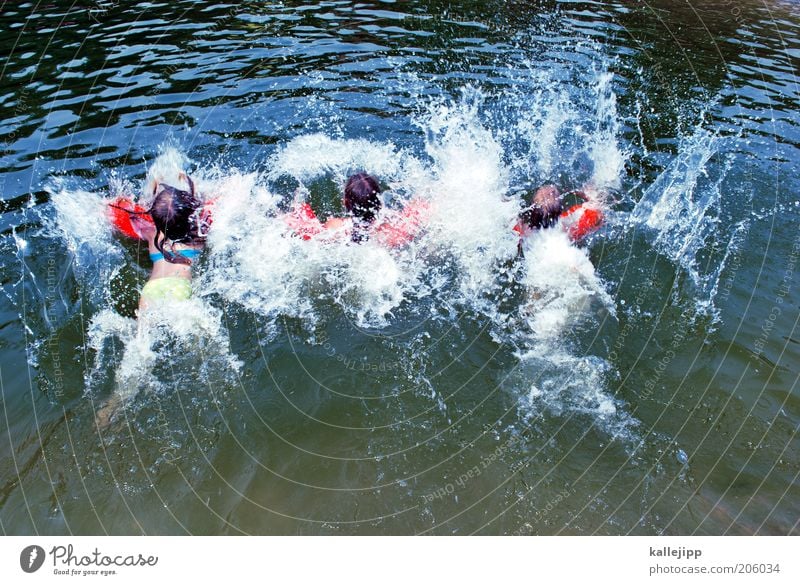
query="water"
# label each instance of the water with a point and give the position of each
(643, 383)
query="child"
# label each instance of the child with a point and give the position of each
(547, 210)
(546, 207)
(363, 204)
(175, 238)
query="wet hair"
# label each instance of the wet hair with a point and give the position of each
(362, 200)
(176, 215)
(546, 207)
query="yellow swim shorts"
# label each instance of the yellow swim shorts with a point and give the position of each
(168, 288)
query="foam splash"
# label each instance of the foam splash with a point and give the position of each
(563, 293)
(82, 224)
(608, 159)
(314, 155)
(568, 133)
(258, 263)
(471, 215)
(562, 285)
(186, 337)
(81, 220)
(670, 206)
(169, 168)
(681, 212)
(568, 385)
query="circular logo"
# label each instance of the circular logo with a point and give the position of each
(31, 558)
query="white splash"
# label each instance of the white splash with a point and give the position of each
(168, 334)
(471, 216)
(168, 168)
(569, 132)
(562, 285)
(258, 263)
(680, 211)
(81, 221)
(315, 155)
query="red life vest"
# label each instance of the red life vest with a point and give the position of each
(397, 229)
(119, 214)
(401, 227)
(580, 220)
(303, 221)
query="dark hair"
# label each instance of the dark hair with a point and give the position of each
(546, 207)
(361, 199)
(176, 217)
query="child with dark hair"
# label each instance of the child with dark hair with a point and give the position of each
(362, 200)
(544, 211)
(363, 203)
(547, 210)
(175, 238)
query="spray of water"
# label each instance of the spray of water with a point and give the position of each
(82, 224)
(680, 212)
(259, 263)
(471, 216)
(256, 262)
(562, 286)
(564, 294)
(181, 338)
(570, 135)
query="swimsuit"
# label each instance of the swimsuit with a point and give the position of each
(167, 288)
(191, 253)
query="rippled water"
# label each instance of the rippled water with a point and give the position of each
(648, 385)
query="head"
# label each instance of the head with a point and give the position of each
(362, 200)
(176, 215)
(546, 207)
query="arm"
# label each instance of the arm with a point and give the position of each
(303, 221)
(401, 227)
(144, 226)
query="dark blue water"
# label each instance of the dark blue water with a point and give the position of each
(421, 399)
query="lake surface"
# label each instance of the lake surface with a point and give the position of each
(648, 385)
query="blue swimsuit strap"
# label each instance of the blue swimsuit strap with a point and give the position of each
(189, 253)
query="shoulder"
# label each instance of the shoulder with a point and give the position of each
(337, 223)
